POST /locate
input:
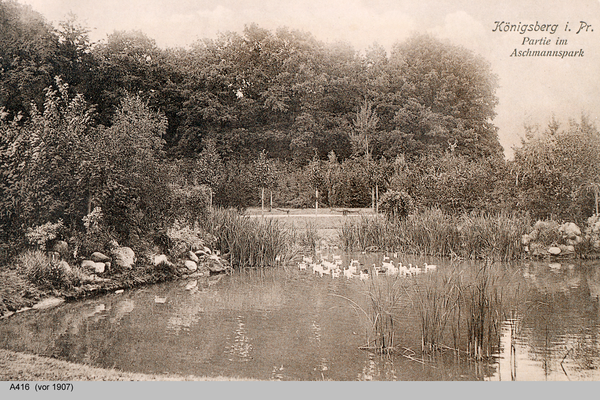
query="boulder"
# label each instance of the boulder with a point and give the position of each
(123, 257)
(88, 264)
(65, 267)
(525, 240)
(99, 257)
(99, 267)
(534, 234)
(569, 230)
(554, 250)
(161, 258)
(192, 256)
(191, 265)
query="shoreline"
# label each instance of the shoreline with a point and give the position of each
(16, 366)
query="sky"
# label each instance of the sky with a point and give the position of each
(532, 89)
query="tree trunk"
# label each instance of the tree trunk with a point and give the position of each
(376, 198)
(373, 199)
(262, 200)
(316, 202)
(271, 203)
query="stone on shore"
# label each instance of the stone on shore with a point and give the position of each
(191, 265)
(124, 257)
(99, 257)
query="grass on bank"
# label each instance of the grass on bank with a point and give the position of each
(27, 367)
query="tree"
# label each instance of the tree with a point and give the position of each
(28, 49)
(554, 170)
(42, 161)
(443, 92)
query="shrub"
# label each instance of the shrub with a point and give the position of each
(42, 234)
(396, 205)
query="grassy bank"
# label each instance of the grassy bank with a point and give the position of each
(435, 233)
(27, 367)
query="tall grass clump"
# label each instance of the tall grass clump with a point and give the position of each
(308, 238)
(435, 233)
(44, 271)
(370, 232)
(430, 232)
(462, 309)
(497, 237)
(385, 303)
(249, 242)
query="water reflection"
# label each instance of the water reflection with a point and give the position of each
(293, 325)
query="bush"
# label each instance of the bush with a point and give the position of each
(42, 234)
(396, 205)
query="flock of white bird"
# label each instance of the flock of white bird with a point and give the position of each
(355, 269)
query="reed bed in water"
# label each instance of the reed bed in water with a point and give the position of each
(432, 232)
(385, 303)
(250, 242)
(462, 309)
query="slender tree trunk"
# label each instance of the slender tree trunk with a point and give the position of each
(271, 203)
(373, 199)
(262, 201)
(376, 198)
(316, 202)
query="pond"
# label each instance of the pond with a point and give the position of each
(288, 324)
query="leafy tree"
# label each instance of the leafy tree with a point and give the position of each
(28, 50)
(554, 170)
(442, 92)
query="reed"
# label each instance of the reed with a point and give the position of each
(249, 242)
(435, 233)
(462, 309)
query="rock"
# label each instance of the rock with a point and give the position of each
(99, 267)
(48, 303)
(525, 240)
(554, 250)
(88, 264)
(566, 249)
(123, 257)
(119, 291)
(596, 245)
(161, 258)
(192, 256)
(569, 230)
(99, 257)
(534, 234)
(65, 267)
(191, 265)
(545, 225)
(191, 285)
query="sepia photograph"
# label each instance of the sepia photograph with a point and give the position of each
(300, 190)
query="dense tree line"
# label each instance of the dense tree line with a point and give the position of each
(261, 113)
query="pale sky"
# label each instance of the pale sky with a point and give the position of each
(532, 89)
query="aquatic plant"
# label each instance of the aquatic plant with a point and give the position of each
(249, 242)
(461, 309)
(432, 232)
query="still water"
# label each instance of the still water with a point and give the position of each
(292, 325)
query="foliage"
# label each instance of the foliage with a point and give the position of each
(43, 271)
(247, 242)
(39, 236)
(554, 170)
(396, 205)
(184, 237)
